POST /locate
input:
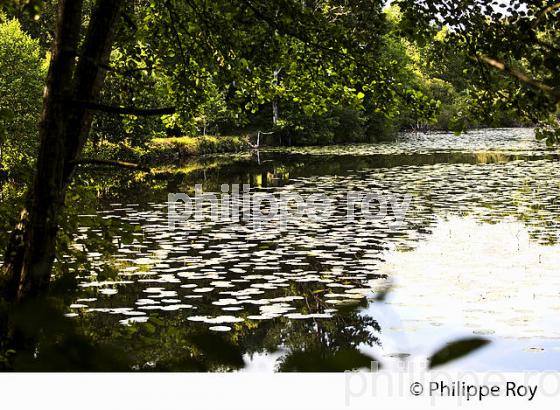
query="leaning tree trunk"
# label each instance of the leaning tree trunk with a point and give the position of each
(75, 77)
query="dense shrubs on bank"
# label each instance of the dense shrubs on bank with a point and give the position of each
(336, 126)
(183, 147)
(168, 149)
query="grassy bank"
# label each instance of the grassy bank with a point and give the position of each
(185, 147)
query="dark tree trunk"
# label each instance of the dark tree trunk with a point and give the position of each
(73, 76)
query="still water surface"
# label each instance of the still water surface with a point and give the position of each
(477, 255)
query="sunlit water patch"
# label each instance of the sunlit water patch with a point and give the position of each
(472, 278)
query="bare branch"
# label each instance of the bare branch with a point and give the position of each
(519, 75)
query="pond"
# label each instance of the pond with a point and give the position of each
(476, 255)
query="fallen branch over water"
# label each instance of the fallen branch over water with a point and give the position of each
(106, 162)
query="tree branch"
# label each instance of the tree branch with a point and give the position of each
(542, 13)
(175, 33)
(106, 162)
(519, 75)
(111, 109)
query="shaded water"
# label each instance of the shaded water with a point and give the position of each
(476, 255)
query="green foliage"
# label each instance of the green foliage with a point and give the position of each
(549, 130)
(22, 71)
(129, 85)
(216, 63)
(337, 125)
(507, 52)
